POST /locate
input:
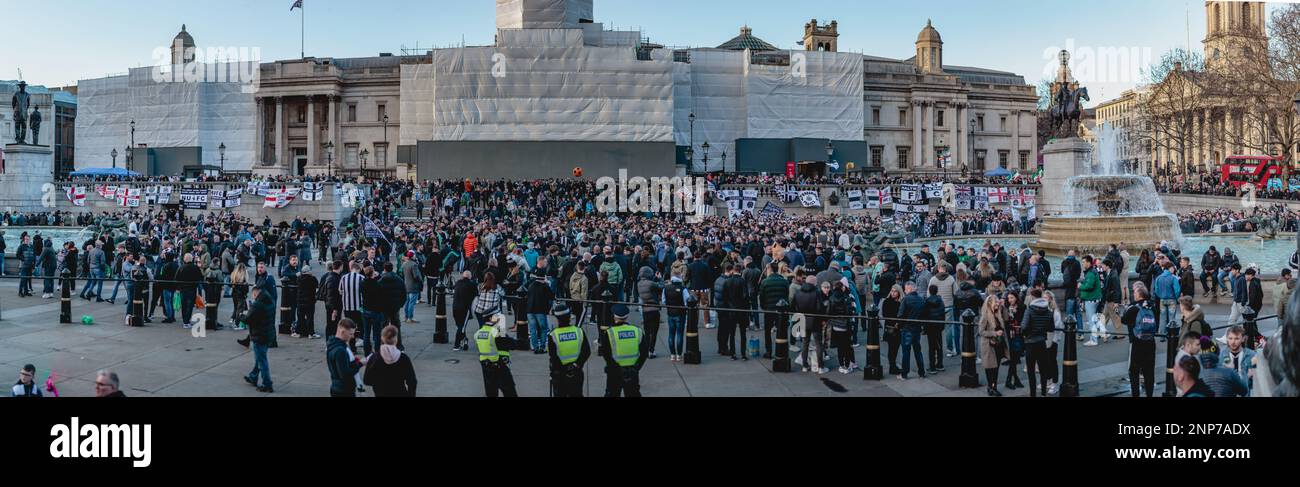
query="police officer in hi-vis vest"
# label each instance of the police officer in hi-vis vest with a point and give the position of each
(569, 352)
(494, 345)
(625, 352)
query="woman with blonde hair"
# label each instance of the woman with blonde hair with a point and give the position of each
(239, 294)
(993, 319)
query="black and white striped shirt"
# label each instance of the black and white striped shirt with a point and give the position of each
(350, 290)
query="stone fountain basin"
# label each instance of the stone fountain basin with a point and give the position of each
(1095, 234)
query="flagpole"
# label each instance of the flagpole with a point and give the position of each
(302, 31)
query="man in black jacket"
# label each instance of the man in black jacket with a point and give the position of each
(188, 278)
(372, 309)
(260, 318)
(328, 292)
(735, 295)
(394, 297)
(288, 294)
(1034, 327)
(462, 298)
(1112, 295)
(1071, 270)
(936, 313)
(807, 301)
(913, 310)
(306, 324)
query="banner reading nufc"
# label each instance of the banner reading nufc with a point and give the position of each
(855, 199)
(194, 198)
(216, 199)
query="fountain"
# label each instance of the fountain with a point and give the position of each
(1089, 201)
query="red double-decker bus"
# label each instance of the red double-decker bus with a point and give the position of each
(1252, 170)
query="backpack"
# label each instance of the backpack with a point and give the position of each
(1144, 327)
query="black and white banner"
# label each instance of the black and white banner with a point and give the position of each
(749, 200)
(981, 201)
(855, 199)
(934, 191)
(911, 194)
(770, 210)
(194, 198)
(906, 208)
(964, 197)
(810, 199)
(786, 192)
(313, 191)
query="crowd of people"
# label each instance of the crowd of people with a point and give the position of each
(540, 251)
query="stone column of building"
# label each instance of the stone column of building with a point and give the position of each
(927, 155)
(955, 109)
(1015, 139)
(916, 134)
(260, 153)
(311, 131)
(333, 122)
(962, 152)
(277, 156)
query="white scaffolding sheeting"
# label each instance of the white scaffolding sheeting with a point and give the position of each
(540, 38)
(103, 120)
(683, 104)
(542, 14)
(718, 92)
(417, 103)
(534, 94)
(168, 113)
(227, 115)
(823, 99)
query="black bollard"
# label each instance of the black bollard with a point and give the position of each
(440, 319)
(137, 300)
(1171, 351)
(1070, 360)
(781, 361)
(65, 298)
(969, 377)
(692, 355)
(873, 371)
(210, 305)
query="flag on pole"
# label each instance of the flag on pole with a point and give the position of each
(297, 4)
(373, 231)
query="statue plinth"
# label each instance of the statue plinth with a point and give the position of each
(1062, 160)
(26, 170)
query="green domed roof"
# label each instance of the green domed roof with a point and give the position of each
(746, 40)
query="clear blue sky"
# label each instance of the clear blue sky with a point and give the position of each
(60, 41)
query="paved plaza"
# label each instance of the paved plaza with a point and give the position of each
(165, 360)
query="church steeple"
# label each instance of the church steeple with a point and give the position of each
(1234, 30)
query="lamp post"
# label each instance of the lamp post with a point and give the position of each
(385, 139)
(221, 150)
(724, 162)
(114, 156)
(969, 135)
(364, 153)
(830, 153)
(690, 151)
(130, 157)
(329, 156)
(706, 156)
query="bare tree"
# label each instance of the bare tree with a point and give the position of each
(1168, 112)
